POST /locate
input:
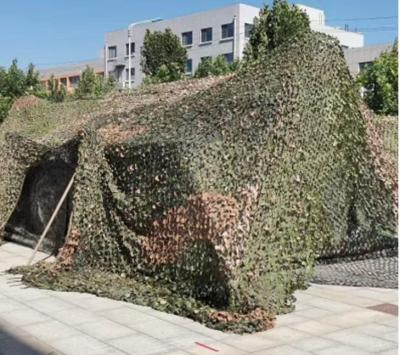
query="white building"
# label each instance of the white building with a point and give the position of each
(317, 23)
(359, 58)
(223, 31)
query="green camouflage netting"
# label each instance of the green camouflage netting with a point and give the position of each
(215, 202)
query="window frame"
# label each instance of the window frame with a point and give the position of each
(189, 60)
(127, 49)
(110, 49)
(247, 33)
(183, 36)
(232, 25)
(133, 73)
(226, 57)
(203, 31)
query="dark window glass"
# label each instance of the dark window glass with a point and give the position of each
(247, 29)
(229, 57)
(187, 38)
(189, 66)
(132, 73)
(227, 30)
(132, 48)
(112, 52)
(364, 65)
(206, 34)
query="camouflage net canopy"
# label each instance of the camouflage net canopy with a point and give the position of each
(212, 199)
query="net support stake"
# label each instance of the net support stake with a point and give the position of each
(50, 222)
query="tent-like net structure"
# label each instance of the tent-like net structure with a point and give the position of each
(210, 199)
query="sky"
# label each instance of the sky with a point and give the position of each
(56, 32)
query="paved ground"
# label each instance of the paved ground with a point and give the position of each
(328, 320)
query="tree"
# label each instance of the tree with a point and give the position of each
(380, 83)
(3, 82)
(57, 92)
(88, 84)
(91, 85)
(163, 56)
(16, 81)
(275, 26)
(217, 66)
(32, 78)
(108, 84)
(5, 105)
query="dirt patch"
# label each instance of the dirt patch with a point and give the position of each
(114, 133)
(26, 102)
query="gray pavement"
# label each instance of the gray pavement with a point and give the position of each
(328, 320)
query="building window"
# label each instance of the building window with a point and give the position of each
(206, 35)
(227, 30)
(247, 29)
(132, 48)
(364, 65)
(189, 66)
(228, 57)
(132, 74)
(74, 80)
(63, 81)
(187, 38)
(112, 52)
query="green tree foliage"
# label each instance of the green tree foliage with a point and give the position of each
(165, 74)
(91, 85)
(16, 81)
(32, 78)
(215, 67)
(88, 85)
(5, 105)
(56, 91)
(275, 26)
(380, 82)
(108, 84)
(163, 56)
(3, 82)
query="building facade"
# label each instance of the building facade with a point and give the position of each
(69, 75)
(208, 34)
(359, 58)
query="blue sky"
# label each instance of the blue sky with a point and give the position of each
(54, 32)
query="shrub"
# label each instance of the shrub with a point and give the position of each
(217, 66)
(380, 82)
(275, 26)
(56, 92)
(5, 105)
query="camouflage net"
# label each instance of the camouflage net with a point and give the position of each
(215, 202)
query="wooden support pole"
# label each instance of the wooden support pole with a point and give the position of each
(50, 222)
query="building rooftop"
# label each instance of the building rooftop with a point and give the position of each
(71, 69)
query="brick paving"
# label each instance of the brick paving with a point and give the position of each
(328, 320)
